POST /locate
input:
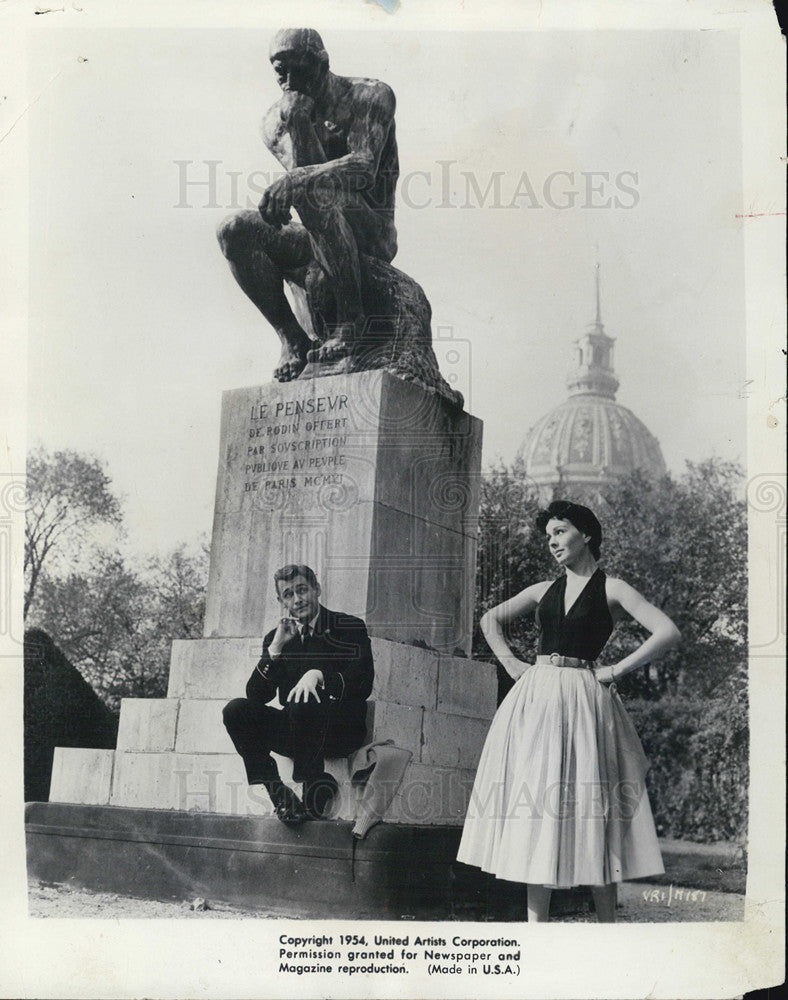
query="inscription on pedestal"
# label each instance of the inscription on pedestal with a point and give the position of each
(304, 451)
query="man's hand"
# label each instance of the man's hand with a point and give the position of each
(307, 686)
(294, 105)
(277, 201)
(285, 630)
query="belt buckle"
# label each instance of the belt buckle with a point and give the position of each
(554, 658)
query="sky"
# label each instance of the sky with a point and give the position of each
(137, 325)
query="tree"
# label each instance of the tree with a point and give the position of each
(97, 616)
(113, 617)
(683, 544)
(116, 621)
(69, 496)
(179, 580)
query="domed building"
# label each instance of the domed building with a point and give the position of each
(589, 441)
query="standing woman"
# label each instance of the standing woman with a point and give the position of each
(559, 798)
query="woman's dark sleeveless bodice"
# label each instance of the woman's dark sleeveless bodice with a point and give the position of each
(582, 632)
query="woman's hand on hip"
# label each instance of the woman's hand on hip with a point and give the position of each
(514, 667)
(605, 675)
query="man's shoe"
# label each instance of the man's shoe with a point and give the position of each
(288, 808)
(319, 795)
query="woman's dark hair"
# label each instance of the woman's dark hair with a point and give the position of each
(581, 517)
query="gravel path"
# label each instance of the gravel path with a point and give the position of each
(638, 903)
(47, 899)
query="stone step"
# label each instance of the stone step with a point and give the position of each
(432, 796)
(208, 782)
(189, 782)
(212, 668)
(216, 783)
(81, 774)
(195, 726)
(174, 753)
(406, 675)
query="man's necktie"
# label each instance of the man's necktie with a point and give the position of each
(304, 634)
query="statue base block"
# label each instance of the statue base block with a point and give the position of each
(371, 481)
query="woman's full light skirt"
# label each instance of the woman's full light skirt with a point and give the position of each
(559, 797)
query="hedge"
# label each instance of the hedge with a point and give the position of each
(699, 754)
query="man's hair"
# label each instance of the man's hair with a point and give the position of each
(583, 518)
(304, 41)
(291, 571)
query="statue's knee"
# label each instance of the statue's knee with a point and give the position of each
(233, 232)
(227, 234)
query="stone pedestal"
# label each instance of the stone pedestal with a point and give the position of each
(368, 479)
(374, 483)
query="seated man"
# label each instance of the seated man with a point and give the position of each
(319, 662)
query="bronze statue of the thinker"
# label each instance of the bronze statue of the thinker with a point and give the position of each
(335, 136)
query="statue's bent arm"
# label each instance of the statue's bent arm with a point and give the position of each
(373, 106)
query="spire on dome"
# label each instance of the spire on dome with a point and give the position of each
(593, 371)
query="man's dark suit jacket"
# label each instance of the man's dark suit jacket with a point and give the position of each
(340, 648)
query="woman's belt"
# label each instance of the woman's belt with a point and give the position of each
(565, 661)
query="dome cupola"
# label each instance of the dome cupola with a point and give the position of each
(590, 440)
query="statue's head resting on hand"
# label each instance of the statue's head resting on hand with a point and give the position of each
(299, 60)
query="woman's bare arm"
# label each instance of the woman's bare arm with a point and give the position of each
(664, 634)
(496, 618)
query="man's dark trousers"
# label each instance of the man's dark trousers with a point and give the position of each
(301, 730)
